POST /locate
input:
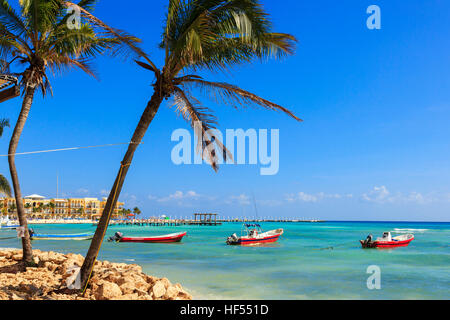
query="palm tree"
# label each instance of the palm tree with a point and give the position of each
(12, 208)
(27, 205)
(211, 35)
(51, 206)
(136, 211)
(40, 40)
(5, 188)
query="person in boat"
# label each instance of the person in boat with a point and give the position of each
(253, 233)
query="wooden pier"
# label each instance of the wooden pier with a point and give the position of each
(203, 219)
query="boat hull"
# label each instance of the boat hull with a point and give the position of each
(10, 227)
(250, 241)
(60, 237)
(387, 244)
(177, 237)
(254, 241)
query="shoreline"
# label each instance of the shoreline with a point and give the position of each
(49, 281)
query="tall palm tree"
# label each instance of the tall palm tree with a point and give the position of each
(211, 35)
(40, 41)
(5, 188)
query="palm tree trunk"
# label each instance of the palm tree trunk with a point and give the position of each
(144, 122)
(26, 106)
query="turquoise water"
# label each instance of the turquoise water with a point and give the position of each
(310, 261)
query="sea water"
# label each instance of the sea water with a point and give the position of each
(310, 261)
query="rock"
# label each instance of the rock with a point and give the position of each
(183, 295)
(141, 284)
(109, 281)
(127, 287)
(17, 257)
(107, 291)
(171, 293)
(166, 282)
(158, 289)
(132, 296)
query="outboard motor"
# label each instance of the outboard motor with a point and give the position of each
(367, 242)
(116, 237)
(232, 239)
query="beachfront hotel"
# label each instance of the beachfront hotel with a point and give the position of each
(37, 206)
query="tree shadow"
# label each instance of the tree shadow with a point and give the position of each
(14, 268)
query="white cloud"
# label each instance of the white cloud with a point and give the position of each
(241, 199)
(378, 194)
(180, 197)
(104, 192)
(83, 191)
(305, 197)
(383, 195)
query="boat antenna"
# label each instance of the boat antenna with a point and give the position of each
(254, 203)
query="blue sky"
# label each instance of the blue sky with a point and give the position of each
(374, 144)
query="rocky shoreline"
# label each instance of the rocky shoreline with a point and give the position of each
(109, 281)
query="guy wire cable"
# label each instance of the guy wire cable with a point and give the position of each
(67, 149)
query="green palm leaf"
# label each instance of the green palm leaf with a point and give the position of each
(5, 188)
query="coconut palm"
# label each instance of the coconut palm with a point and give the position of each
(5, 188)
(40, 41)
(51, 207)
(200, 35)
(136, 211)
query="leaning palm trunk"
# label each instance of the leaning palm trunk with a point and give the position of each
(144, 122)
(199, 35)
(26, 105)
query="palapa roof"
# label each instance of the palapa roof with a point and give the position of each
(35, 196)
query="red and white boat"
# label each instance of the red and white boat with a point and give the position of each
(254, 236)
(387, 241)
(173, 237)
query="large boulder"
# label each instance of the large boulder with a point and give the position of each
(107, 291)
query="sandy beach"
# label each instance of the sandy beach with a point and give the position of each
(110, 281)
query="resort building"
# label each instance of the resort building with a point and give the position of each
(37, 206)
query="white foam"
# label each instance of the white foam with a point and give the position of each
(406, 230)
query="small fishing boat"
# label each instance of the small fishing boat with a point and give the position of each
(76, 236)
(9, 227)
(173, 237)
(387, 241)
(254, 235)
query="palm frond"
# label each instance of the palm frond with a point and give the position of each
(201, 119)
(215, 34)
(5, 188)
(232, 95)
(9, 19)
(3, 124)
(125, 38)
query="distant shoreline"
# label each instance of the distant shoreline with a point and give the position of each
(50, 222)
